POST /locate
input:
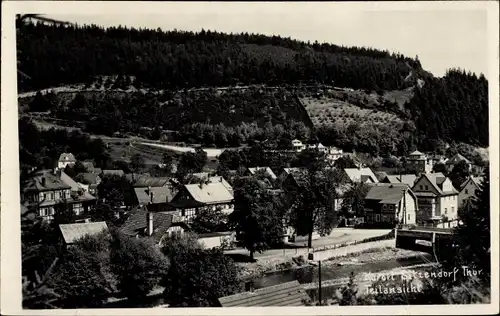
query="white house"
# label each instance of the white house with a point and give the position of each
(468, 189)
(66, 159)
(437, 198)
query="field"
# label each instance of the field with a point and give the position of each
(332, 112)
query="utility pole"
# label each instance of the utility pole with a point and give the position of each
(404, 206)
(319, 277)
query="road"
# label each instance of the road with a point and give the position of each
(338, 236)
(211, 152)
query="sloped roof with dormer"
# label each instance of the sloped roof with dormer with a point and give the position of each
(160, 195)
(387, 193)
(45, 180)
(210, 193)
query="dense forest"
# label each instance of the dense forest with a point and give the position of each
(452, 109)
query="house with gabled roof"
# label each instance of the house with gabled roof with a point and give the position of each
(152, 226)
(192, 198)
(408, 179)
(71, 233)
(388, 204)
(418, 162)
(155, 199)
(468, 189)
(455, 159)
(265, 170)
(364, 175)
(437, 198)
(88, 181)
(46, 189)
(66, 159)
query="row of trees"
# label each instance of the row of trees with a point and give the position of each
(97, 268)
(176, 59)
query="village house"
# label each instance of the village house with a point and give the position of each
(88, 181)
(297, 145)
(204, 195)
(364, 175)
(46, 189)
(419, 163)
(319, 146)
(454, 160)
(152, 226)
(437, 198)
(334, 154)
(155, 199)
(264, 170)
(70, 233)
(408, 179)
(144, 181)
(388, 204)
(468, 189)
(66, 159)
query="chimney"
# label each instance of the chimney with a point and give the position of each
(149, 218)
(152, 195)
(249, 286)
(44, 181)
(149, 189)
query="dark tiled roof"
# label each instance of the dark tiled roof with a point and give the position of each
(52, 182)
(136, 224)
(285, 294)
(148, 181)
(386, 192)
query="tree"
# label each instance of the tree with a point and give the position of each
(345, 162)
(138, 266)
(257, 217)
(349, 292)
(192, 162)
(115, 190)
(472, 235)
(171, 245)
(63, 213)
(354, 199)
(83, 279)
(137, 162)
(459, 174)
(209, 221)
(213, 274)
(313, 200)
(168, 161)
(440, 167)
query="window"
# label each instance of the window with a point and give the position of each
(409, 217)
(453, 209)
(426, 187)
(445, 211)
(421, 187)
(377, 217)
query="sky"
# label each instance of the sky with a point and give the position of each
(442, 39)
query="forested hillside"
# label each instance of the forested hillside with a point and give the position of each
(453, 108)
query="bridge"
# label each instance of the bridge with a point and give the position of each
(433, 240)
